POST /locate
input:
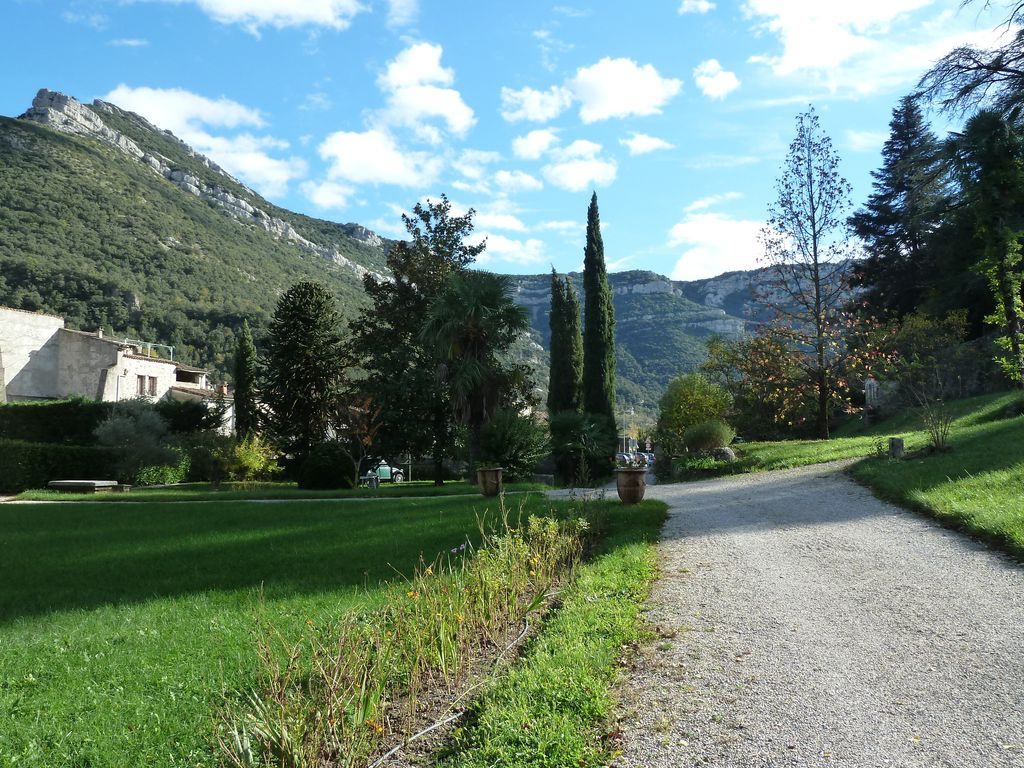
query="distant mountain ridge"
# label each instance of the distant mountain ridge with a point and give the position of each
(113, 222)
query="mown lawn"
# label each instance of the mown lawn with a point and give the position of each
(122, 627)
(274, 491)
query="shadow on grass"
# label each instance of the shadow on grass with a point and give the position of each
(59, 557)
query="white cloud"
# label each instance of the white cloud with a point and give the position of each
(510, 182)
(530, 251)
(696, 6)
(472, 163)
(641, 144)
(317, 101)
(712, 200)
(564, 226)
(550, 48)
(718, 160)
(253, 14)
(534, 144)
(328, 194)
(714, 243)
(181, 111)
(580, 166)
(620, 88)
(416, 86)
(374, 157)
(506, 221)
(535, 106)
(130, 42)
(713, 81)
(191, 116)
(402, 13)
(865, 141)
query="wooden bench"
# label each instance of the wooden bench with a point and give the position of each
(89, 486)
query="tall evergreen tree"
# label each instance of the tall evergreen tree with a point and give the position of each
(566, 372)
(903, 211)
(246, 371)
(599, 324)
(304, 366)
(401, 366)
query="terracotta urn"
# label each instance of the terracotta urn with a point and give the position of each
(489, 480)
(631, 483)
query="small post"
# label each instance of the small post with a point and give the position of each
(895, 447)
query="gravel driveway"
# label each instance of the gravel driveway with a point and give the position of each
(802, 622)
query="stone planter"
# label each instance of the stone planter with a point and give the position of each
(631, 484)
(489, 480)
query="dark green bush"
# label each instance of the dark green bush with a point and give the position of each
(25, 465)
(708, 435)
(70, 421)
(185, 416)
(513, 442)
(327, 466)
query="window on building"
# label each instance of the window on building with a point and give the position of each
(152, 386)
(142, 385)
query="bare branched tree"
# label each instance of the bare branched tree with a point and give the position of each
(967, 78)
(807, 251)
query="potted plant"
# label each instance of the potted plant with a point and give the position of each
(489, 479)
(631, 478)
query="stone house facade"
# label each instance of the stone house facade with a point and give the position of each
(40, 359)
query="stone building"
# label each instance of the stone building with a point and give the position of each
(40, 359)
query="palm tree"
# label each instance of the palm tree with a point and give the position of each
(472, 323)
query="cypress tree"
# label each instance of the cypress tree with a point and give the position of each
(246, 411)
(565, 382)
(599, 324)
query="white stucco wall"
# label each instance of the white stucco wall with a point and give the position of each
(29, 355)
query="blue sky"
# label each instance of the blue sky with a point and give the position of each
(677, 112)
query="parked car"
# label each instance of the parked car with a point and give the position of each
(384, 472)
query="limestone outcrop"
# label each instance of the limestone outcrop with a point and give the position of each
(67, 114)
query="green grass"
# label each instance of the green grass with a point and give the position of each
(271, 491)
(122, 627)
(552, 706)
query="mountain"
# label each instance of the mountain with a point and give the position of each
(115, 223)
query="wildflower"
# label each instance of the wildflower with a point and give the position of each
(413, 593)
(462, 548)
(309, 622)
(459, 617)
(533, 573)
(429, 571)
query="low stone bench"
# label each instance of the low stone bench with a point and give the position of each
(89, 486)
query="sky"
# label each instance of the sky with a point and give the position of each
(678, 113)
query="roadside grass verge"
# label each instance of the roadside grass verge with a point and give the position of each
(275, 491)
(550, 709)
(976, 486)
(123, 627)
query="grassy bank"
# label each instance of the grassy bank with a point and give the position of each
(275, 491)
(122, 627)
(550, 708)
(977, 485)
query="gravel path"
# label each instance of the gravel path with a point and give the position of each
(802, 622)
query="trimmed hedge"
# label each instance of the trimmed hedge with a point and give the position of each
(25, 465)
(69, 421)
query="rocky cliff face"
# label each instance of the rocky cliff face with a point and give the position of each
(67, 114)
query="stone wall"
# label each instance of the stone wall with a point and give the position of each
(87, 366)
(29, 355)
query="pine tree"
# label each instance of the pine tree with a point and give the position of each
(566, 372)
(304, 366)
(246, 371)
(599, 324)
(901, 214)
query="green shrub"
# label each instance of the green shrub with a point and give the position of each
(255, 458)
(327, 466)
(25, 465)
(690, 399)
(72, 421)
(138, 434)
(708, 435)
(514, 442)
(580, 444)
(164, 474)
